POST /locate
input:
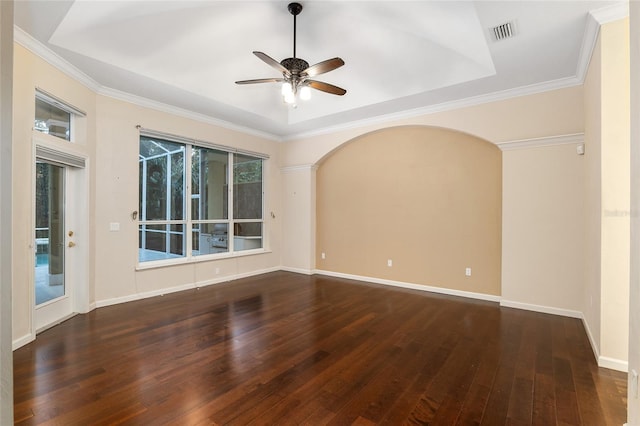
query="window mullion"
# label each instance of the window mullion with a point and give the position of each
(167, 240)
(187, 187)
(231, 232)
(143, 213)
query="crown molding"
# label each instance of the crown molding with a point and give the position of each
(611, 13)
(595, 19)
(445, 106)
(36, 47)
(591, 30)
(28, 42)
(181, 112)
(574, 138)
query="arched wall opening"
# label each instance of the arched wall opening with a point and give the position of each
(427, 199)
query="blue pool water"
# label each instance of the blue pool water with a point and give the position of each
(42, 259)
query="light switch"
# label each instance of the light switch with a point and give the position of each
(114, 226)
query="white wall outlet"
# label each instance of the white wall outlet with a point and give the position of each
(217, 271)
(634, 384)
(467, 272)
(324, 256)
(389, 262)
(114, 226)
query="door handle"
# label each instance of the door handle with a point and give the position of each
(72, 244)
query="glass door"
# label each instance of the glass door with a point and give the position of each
(51, 293)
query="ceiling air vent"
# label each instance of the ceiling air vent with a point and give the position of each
(506, 30)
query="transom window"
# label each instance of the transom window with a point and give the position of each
(53, 116)
(52, 120)
(187, 207)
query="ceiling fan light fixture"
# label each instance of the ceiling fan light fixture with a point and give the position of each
(290, 98)
(286, 88)
(305, 93)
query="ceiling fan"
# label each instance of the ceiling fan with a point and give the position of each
(296, 72)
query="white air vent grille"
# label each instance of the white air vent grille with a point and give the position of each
(506, 30)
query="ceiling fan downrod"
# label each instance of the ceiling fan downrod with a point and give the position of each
(294, 9)
(295, 65)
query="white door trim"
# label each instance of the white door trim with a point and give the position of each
(76, 219)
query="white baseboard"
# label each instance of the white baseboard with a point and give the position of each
(190, 286)
(228, 278)
(594, 346)
(21, 341)
(613, 364)
(254, 273)
(427, 288)
(298, 270)
(542, 309)
(604, 361)
(140, 296)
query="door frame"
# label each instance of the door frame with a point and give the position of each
(76, 175)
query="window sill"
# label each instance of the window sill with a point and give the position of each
(199, 259)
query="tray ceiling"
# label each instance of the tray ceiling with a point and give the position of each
(399, 55)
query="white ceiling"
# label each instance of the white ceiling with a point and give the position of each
(400, 55)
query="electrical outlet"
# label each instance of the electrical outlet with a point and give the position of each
(217, 271)
(634, 384)
(467, 272)
(323, 255)
(389, 262)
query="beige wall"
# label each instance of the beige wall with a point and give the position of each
(546, 114)
(427, 198)
(591, 306)
(557, 112)
(634, 296)
(299, 196)
(6, 185)
(116, 276)
(615, 189)
(543, 227)
(607, 177)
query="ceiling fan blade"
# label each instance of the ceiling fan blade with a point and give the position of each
(322, 67)
(326, 87)
(261, 80)
(272, 62)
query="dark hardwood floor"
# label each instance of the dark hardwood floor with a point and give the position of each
(284, 348)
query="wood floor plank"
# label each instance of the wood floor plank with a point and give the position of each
(283, 348)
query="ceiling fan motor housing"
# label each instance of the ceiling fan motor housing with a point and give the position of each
(295, 65)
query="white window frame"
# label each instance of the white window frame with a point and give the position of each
(55, 101)
(188, 222)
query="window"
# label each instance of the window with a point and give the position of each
(187, 207)
(52, 120)
(54, 116)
